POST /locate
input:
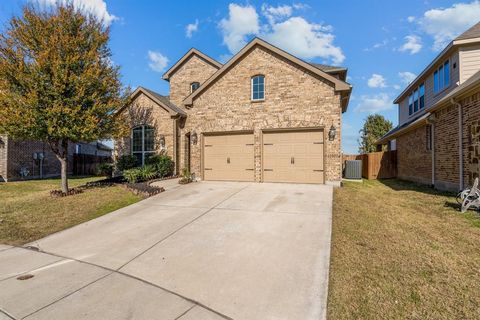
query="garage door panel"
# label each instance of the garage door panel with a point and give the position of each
(295, 156)
(229, 157)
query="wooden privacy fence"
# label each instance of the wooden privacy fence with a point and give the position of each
(376, 165)
(86, 164)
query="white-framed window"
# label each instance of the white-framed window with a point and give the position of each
(258, 87)
(143, 143)
(194, 86)
(416, 100)
(441, 77)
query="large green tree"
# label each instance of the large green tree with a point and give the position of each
(375, 127)
(57, 81)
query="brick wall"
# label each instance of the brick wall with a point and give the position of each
(20, 155)
(144, 111)
(3, 157)
(294, 98)
(414, 161)
(447, 175)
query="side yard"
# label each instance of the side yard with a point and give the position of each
(402, 251)
(28, 212)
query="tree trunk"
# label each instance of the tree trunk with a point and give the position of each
(64, 170)
(60, 148)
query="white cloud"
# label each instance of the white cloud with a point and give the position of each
(374, 103)
(274, 13)
(413, 44)
(241, 22)
(407, 77)
(377, 81)
(444, 24)
(158, 62)
(291, 33)
(396, 87)
(97, 7)
(191, 28)
(411, 19)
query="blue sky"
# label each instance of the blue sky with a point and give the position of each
(383, 43)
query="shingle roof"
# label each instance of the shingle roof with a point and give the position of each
(165, 100)
(327, 68)
(473, 32)
(391, 134)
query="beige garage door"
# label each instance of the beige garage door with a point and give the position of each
(293, 156)
(228, 157)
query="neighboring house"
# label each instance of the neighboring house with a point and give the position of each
(438, 136)
(34, 159)
(265, 115)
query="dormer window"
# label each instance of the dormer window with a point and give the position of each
(194, 86)
(258, 88)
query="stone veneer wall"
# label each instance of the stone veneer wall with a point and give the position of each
(471, 141)
(414, 161)
(144, 111)
(294, 98)
(195, 69)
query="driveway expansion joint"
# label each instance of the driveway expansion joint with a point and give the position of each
(116, 271)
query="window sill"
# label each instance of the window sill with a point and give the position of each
(257, 100)
(435, 94)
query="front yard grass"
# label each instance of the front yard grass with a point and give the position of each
(402, 251)
(27, 212)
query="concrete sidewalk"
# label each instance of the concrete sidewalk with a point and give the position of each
(209, 250)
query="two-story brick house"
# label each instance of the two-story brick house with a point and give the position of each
(265, 115)
(438, 135)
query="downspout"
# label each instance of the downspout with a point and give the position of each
(431, 121)
(460, 141)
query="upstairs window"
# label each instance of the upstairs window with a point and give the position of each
(416, 100)
(441, 77)
(194, 86)
(258, 87)
(143, 143)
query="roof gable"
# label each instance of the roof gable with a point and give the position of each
(186, 57)
(338, 84)
(473, 32)
(162, 101)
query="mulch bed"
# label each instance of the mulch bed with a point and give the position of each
(143, 189)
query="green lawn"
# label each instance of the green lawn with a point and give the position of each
(402, 251)
(28, 212)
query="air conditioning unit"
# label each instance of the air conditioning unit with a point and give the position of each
(353, 169)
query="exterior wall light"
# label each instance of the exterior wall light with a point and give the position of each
(162, 142)
(194, 138)
(332, 133)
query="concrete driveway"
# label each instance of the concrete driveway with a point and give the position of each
(207, 250)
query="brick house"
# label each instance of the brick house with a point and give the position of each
(17, 156)
(265, 115)
(438, 136)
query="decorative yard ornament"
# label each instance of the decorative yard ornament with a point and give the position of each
(471, 198)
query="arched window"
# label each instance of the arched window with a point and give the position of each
(143, 143)
(194, 86)
(258, 87)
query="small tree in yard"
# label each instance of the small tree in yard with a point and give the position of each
(375, 127)
(57, 82)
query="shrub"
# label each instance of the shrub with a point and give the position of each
(186, 176)
(136, 175)
(126, 162)
(163, 164)
(105, 169)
